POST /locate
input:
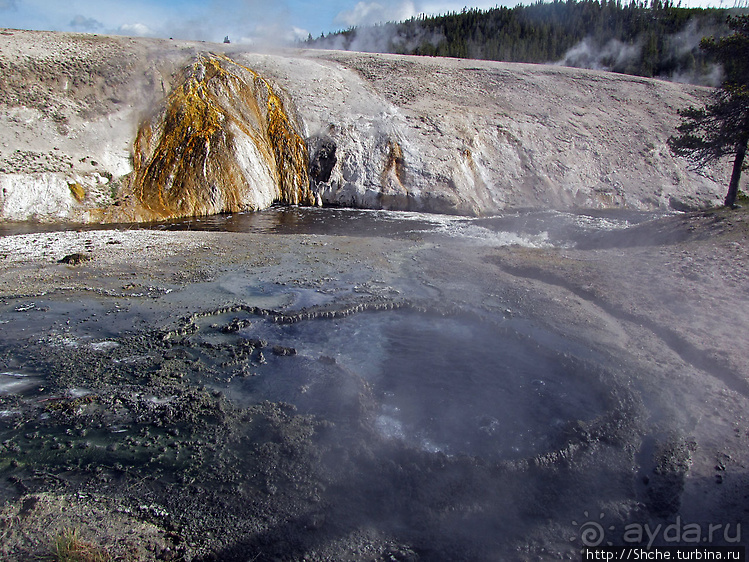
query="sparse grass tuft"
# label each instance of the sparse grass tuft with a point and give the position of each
(69, 547)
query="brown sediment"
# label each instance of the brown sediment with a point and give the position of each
(395, 162)
(77, 191)
(394, 191)
(187, 157)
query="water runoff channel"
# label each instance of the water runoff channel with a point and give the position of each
(440, 429)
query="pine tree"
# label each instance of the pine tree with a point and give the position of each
(721, 128)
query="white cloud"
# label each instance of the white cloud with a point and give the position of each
(273, 35)
(300, 33)
(82, 23)
(136, 29)
(369, 13)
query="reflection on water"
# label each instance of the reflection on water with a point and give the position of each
(16, 383)
(529, 228)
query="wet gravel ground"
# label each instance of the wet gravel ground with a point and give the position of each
(192, 395)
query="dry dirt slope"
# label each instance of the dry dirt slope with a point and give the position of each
(413, 133)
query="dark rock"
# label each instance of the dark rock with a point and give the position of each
(28, 506)
(322, 151)
(236, 325)
(75, 259)
(673, 459)
(283, 351)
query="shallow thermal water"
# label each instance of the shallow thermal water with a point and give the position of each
(442, 423)
(525, 228)
(450, 384)
(454, 384)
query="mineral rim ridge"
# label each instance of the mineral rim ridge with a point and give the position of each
(99, 129)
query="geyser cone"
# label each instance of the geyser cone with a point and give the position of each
(222, 142)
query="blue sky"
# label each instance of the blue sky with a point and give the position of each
(244, 21)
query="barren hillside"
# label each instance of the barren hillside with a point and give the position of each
(381, 131)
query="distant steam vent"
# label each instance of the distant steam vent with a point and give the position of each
(223, 141)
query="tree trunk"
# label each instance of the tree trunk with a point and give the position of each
(738, 163)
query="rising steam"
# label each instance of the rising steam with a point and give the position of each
(381, 38)
(614, 55)
(681, 50)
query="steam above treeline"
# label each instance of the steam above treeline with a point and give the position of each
(657, 39)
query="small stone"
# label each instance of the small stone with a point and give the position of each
(283, 351)
(75, 259)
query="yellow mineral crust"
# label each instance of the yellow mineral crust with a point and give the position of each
(395, 162)
(222, 142)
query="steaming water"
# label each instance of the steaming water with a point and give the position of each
(458, 391)
(454, 384)
(451, 384)
(528, 228)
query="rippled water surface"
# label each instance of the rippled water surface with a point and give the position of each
(450, 384)
(525, 228)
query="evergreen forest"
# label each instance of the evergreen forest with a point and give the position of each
(656, 39)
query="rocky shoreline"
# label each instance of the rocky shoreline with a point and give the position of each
(123, 412)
